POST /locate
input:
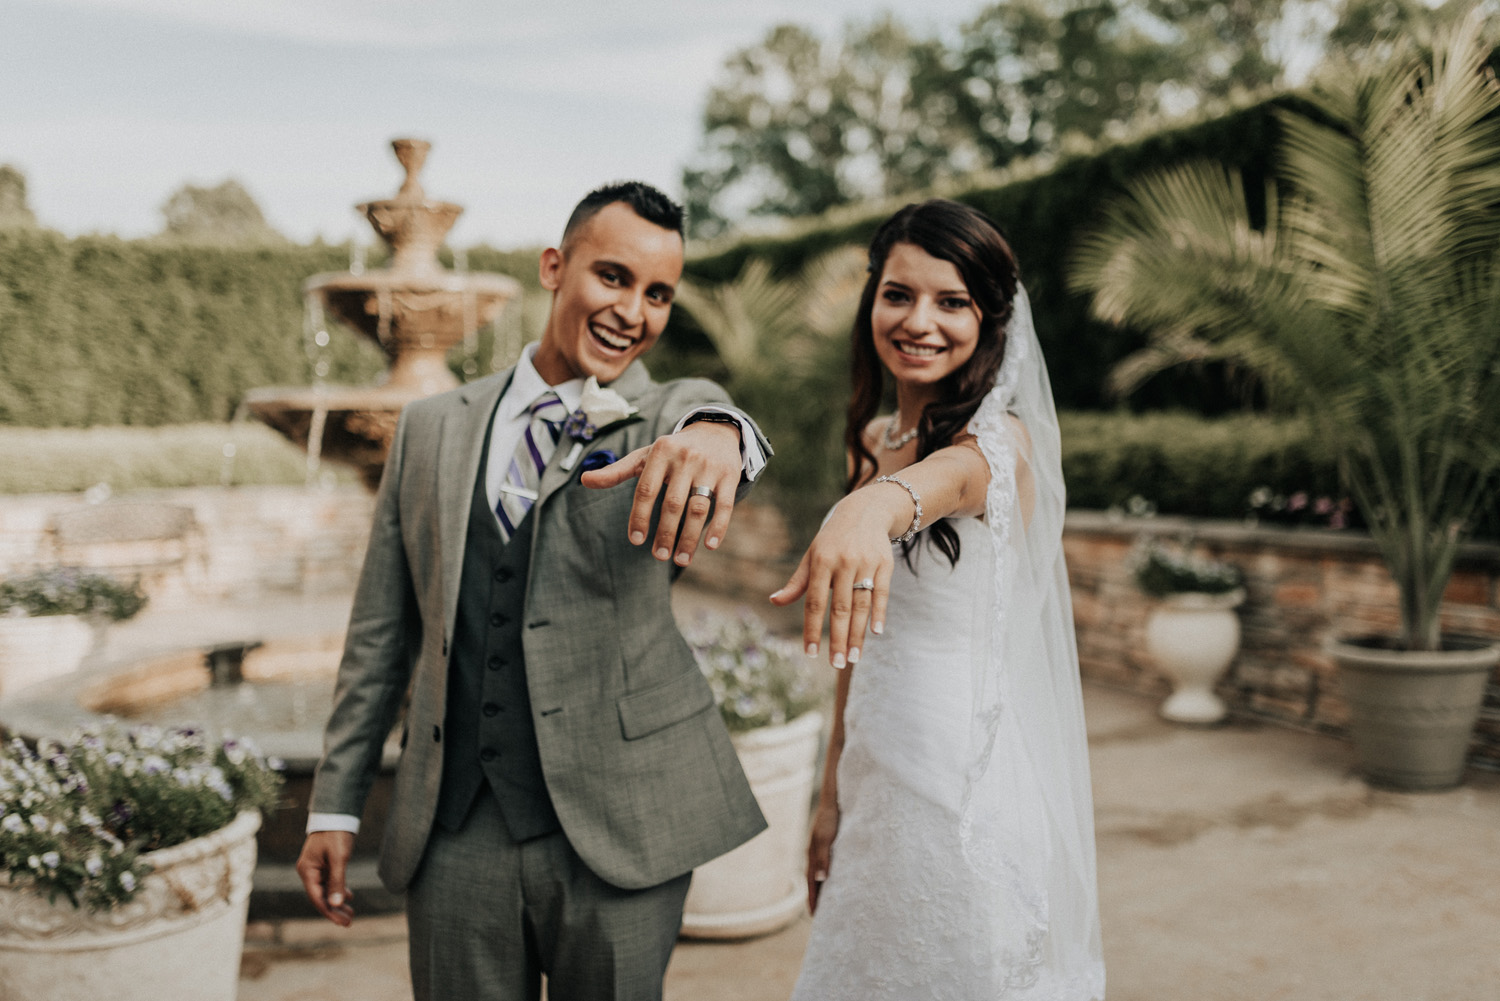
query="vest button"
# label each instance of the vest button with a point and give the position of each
(504, 574)
(490, 709)
(496, 663)
(488, 754)
(498, 619)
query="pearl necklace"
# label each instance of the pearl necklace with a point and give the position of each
(892, 444)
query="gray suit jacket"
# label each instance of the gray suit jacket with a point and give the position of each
(644, 779)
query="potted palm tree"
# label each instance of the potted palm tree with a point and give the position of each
(1371, 299)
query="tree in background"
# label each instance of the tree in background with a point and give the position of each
(14, 212)
(796, 125)
(224, 214)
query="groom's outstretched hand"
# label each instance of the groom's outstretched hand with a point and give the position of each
(694, 472)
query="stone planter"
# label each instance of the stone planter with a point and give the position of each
(180, 937)
(758, 888)
(1192, 638)
(1412, 713)
(35, 649)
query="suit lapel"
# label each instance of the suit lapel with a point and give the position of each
(631, 384)
(460, 449)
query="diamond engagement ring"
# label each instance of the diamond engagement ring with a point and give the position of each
(702, 492)
(864, 585)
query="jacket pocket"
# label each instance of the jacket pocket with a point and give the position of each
(657, 708)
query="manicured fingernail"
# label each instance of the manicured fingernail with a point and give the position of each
(854, 655)
(878, 628)
(636, 538)
(663, 553)
(777, 594)
(713, 542)
(812, 649)
(682, 559)
(335, 899)
(838, 660)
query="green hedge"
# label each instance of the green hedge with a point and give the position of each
(65, 460)
(102, 331)
(1185, 464)
(1044, 216)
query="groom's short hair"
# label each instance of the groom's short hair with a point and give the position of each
(647, 202)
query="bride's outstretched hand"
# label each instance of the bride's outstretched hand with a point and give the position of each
(846, 572)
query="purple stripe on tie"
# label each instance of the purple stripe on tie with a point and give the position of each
(536, 455)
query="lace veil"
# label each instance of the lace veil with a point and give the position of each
(1026, 808)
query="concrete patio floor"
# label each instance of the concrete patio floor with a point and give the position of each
(1244, 862)
(1239, 863)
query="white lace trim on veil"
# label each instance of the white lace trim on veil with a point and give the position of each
(1026, 820)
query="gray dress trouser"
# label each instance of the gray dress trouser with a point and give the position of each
(488, 917)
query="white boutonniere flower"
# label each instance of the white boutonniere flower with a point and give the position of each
(598, 411)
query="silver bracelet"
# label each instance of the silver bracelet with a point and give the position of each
(916, 519)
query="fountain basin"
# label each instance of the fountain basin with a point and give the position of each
(416, 316)
(282, 704)
(353, 425)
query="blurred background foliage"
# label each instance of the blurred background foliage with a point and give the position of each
(1038, 112)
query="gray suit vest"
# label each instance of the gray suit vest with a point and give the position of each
(491, 737)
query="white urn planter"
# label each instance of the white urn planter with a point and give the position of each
(180, 937)
(1192, 638)
(36, 648)
(758, 888)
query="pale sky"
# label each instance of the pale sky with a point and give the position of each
(108, 106)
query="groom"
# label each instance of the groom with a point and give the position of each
(563, 767)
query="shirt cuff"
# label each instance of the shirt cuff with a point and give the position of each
(332, 822)
(750, 450)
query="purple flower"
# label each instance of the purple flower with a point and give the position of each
(599, 459)
(578, 427)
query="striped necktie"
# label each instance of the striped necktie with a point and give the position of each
(518, 491)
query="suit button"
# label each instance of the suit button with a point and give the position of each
(496, 663)
(504, 575)
(488, 754)
(498, 619)
(490, 709)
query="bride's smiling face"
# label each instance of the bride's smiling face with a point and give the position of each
(924, 321)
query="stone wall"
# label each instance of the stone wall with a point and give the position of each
(1302, 587)
(197, 545)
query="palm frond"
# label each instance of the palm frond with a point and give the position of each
(1372, 296)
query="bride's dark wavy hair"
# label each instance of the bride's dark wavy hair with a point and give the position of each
(973, 243)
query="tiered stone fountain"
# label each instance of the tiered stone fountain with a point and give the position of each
(417, 312)
(278, 689)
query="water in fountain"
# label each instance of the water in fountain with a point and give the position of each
(415, 310)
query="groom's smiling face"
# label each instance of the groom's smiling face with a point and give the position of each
(612, 284)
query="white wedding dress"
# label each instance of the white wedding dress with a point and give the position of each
(963, 868)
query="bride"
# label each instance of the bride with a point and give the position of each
(952, 852)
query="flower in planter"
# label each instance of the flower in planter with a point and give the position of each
(76, 817)
(758, 679)
(1162, 570)
(1265, 505)
(70, 591)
